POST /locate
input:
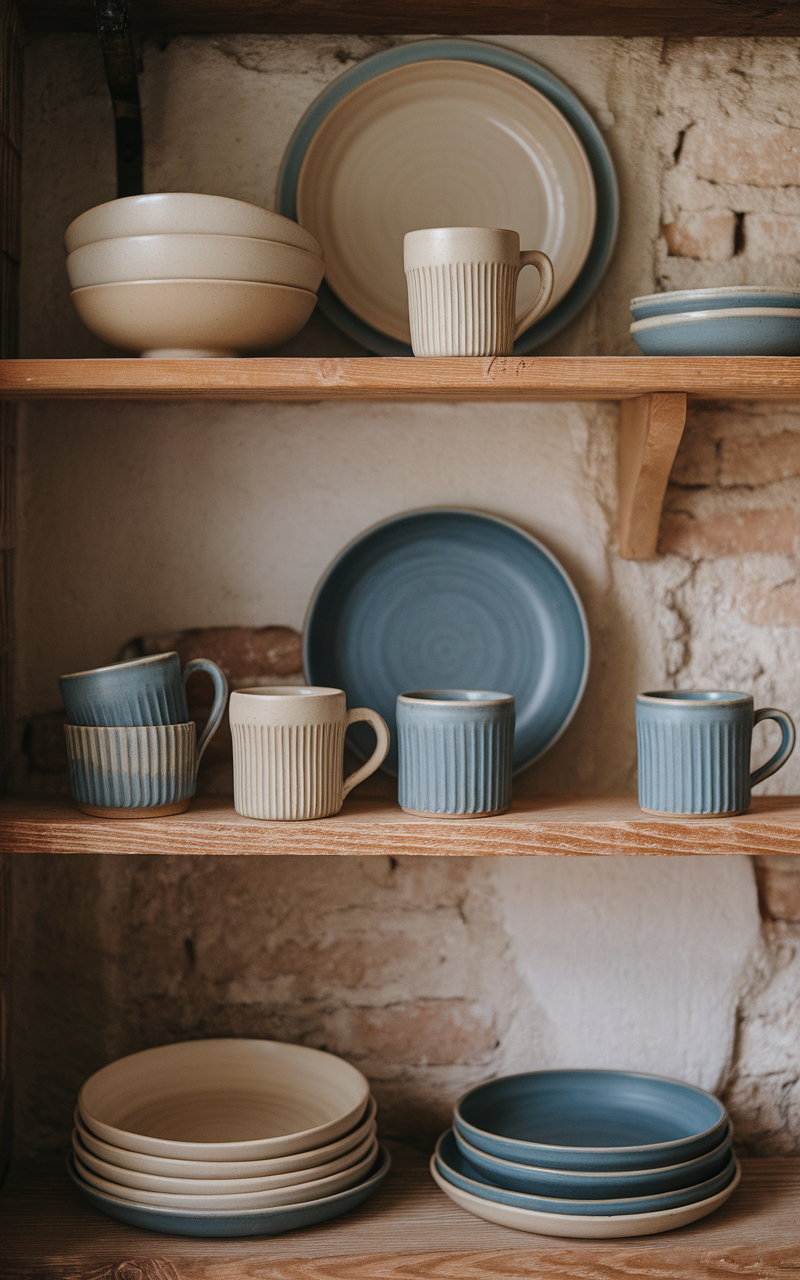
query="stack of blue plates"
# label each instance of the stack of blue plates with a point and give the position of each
(733, 320)
(592, 1154)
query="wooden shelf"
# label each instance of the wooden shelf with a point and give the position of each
(379, 378)
(551, 827)
(679, 18)
(408, 1228)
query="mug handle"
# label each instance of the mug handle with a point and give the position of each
(381, 746)
(220, 698)
(534, 257)
(784, 750)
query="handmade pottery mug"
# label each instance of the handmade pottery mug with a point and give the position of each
(288, 751)
(143, 771)
(694, 751)
(146, 691)
(455, 750)
(462, 290)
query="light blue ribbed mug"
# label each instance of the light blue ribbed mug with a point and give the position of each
(455, 749)
(694, 751)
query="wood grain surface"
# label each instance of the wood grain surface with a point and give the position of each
(408, 1231)
(650, 432)
(498, 378)
(680, 18)
(553, 826)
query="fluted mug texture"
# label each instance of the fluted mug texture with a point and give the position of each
(694, 751)
(288, 751)
(455, 751)
(129, 771)
(462, 290)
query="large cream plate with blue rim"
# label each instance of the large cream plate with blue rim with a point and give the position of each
(442, 143)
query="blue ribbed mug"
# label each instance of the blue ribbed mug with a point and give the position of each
(694, 751)
(455, 749)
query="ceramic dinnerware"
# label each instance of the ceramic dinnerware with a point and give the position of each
(145, 691)
(177, 212)
(193, 257)
(455, 751)
(736, 331)
(694, 751)
(297, 1194)
(112, 1173)
(238, 1222)
(456, 187)
(599, 1121)
(462, 290)
(159, 1166)
(288, 751)
(563, 1184)
(224, 1100)
(144, 772)
(452, 1166)
(450, 599)
(722, 298)
(182, 319)
(586, 1227)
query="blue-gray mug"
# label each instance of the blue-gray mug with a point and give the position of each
(146, 691)
(455, 750)
(694, 751)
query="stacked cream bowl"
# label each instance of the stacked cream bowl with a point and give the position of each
(184, 275)
(226, 1137)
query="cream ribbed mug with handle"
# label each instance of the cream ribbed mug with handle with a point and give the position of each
(288, 751)
(462, 290)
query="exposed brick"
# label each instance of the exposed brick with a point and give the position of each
(749, 460)
(771, 236)
(770, 606)
(779, 888)
(728, 534)
(244, 653)
(761, 159)
(707, 235)
(695, 463)
(425, 1033)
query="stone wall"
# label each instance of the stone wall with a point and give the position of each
(139, 519)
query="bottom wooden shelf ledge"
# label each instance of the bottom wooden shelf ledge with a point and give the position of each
(407, 1229)
(578, 826)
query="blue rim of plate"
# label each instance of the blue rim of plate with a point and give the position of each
(515, 64)
(321, 670)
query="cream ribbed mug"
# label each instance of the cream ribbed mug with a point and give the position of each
(288, 751)
(462, 290)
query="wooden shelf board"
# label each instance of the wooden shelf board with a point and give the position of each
(551, 827)
(680, 18)
(408, 1228)
(501, 378)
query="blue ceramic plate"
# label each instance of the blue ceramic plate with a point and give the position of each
(452, 1166)
(752, 295)
(597, 1121)
(594, 1186)
(743, 331)
(514, 64)
(450, 599)
(241, 1222)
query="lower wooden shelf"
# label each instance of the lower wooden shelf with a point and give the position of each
(408, 1229)
(576, 826)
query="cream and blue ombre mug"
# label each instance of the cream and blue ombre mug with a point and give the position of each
(694, 751)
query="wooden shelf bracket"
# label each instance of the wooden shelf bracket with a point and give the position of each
(651, 427)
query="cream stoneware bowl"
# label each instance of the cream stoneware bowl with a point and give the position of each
(224, 1100)
(252, 1200)
(168, 212)
(193, 318)
(218, 1186)
(194, 257)
(158, 1166)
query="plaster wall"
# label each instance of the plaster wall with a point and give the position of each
(148, 518)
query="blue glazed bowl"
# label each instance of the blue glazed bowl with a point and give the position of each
(742, 331)
(592, 1121)
(740, 295)
(456, 1170)
(594, 1186)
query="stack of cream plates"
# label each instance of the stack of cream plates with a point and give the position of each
(181, 274)
(226, 1138)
